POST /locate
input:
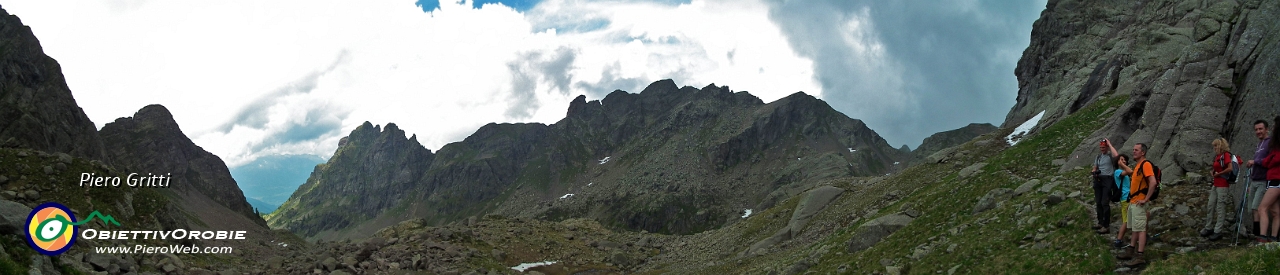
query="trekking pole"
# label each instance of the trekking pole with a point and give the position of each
(1244, 198)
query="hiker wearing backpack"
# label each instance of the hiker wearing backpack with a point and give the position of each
(1258, 175)
(1121, 176)
(1272, 163)
(1103, 165)
(1143, 187)
(1223, 170)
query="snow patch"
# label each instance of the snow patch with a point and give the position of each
(895, 163)
(604, 160)
(1022, 130)
(851, 150)
(590, 183)
(526, 266)
(566, 196)
(746, 213)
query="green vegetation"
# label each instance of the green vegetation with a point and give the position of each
(1022, 235)
(1040, 240)
(18, 255)
(993, 241)
(1234, 260)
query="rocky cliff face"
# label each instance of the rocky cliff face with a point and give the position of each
(36, 108)
(1193, 71)
(371, 171)
(669, 159)
(947, 139)
(151, 142)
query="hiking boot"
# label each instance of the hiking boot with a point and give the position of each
(1205, 232)
(1096, 226)
(1117, 244)
(1103, 230)
(1136, 261)
(1215, 237)
(1128, 253)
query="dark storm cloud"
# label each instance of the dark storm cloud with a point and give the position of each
(320, 121)
(255, 114)
(939, 65)
(533, 69)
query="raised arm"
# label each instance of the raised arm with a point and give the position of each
(1114, 154)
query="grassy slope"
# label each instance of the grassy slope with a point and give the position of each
(997, 241)
(992, 241)
(989, 242)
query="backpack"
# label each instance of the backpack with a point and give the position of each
(1157, 173)
(1234, 175)
(1115, 190)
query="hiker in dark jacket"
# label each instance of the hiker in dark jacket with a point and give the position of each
(1258, 175)
(1103, 182)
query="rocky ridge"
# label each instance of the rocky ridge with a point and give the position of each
(37, 109)
(947, 139)
(668, 159)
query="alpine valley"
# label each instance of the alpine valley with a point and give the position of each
(686, 180)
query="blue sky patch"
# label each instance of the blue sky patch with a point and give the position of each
(522, 5)
(518, 5)
(428, 5)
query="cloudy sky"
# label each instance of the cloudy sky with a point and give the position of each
(247, 78)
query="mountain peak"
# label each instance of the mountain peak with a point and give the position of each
(152, 141)
(155, 115)
(660, 87)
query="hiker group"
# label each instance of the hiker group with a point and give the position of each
(1134, 181)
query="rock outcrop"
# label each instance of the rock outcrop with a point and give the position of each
(1193, 70)
(37, 109)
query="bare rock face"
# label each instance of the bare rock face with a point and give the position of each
(1193, 70)
(37, 109)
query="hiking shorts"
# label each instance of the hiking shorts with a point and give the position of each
(1137, 218)
(1124, 212)
(1256, 189)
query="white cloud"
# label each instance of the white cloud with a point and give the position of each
(439, 75)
